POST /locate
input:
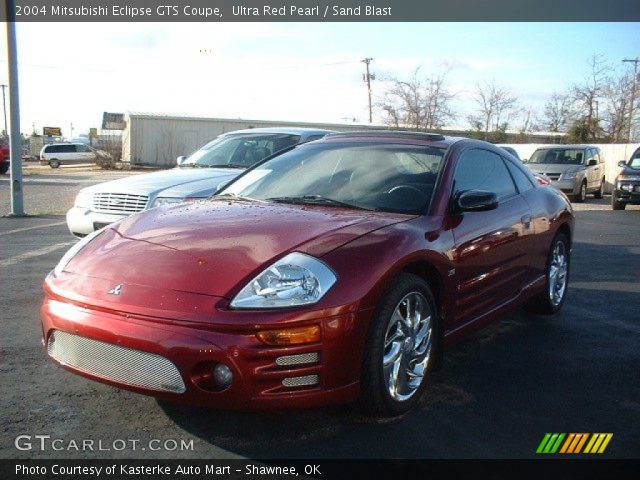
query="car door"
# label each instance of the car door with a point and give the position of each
(593, 169)
(491, 248)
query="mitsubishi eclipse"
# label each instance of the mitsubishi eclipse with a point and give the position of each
(340, 270)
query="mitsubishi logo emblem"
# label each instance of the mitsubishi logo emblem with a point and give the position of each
(116, 290)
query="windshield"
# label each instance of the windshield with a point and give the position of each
(393, 178)
(239, 151)
(558, 156)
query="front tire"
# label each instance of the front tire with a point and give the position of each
(550, 301)
(581, 197)
(401, 348)
(616, 205)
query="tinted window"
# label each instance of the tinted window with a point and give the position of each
(558, 156)
(239, 151)
(82, 148)
(523, 182)
(67, 148)
(395, 178)
(483, 170)
(53, 149)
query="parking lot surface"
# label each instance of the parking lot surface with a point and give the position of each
(497, 395)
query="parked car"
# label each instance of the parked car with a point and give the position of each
(196, 177)
(626, 188)
(56, 154)
(540, 177)
(575, 169)
(335, 271)
(4, 159)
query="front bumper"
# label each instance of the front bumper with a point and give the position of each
(570, 186)
(627, 192)
(262, 379)
(82, 221)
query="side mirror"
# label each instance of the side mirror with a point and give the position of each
(525, 160)
(592, 162)
(622, 163)
(180, 160)
(476, 201)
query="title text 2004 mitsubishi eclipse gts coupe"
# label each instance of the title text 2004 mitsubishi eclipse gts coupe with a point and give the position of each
(335, 271)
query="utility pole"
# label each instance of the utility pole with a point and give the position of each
(15, 150)
(4, 109)
(632, 107)
(367, 77)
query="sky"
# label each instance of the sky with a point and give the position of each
(72, 72)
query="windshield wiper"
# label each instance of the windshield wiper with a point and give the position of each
(234, 196)
(315, 200)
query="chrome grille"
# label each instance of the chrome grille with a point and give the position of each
(301, 381)
(119, 202)
(116, 363)
(553, 176)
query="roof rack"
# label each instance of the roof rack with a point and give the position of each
(391, 133)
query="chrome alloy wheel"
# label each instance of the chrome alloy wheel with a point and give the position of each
(558, 273)
(407, 346)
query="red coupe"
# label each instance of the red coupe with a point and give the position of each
(338, 270)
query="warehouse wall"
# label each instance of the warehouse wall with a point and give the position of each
(158, 140)
(612, 153)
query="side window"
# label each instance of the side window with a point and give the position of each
(67, 148)
(314, 137)
(54, 149)
(82, 148)
(483, 170)
(523, 182)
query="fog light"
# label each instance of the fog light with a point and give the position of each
(222, 375)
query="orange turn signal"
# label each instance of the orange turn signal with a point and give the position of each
(290, 336)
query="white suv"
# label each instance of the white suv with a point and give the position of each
(56, 154)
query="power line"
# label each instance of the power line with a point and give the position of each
(367, 77)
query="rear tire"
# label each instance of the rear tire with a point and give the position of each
(54, 164)
(600, 193)
(401, 348)
(616, 205)
(550, 301)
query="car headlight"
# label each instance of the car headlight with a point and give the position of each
(296, 279)
(570, 175)
(73, 251)
(83, 200)
(166, 201)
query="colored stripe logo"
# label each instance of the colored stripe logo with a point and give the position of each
(574, 443)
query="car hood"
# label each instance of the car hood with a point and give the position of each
(552, 168)
(630, 171)
(215, 246)
(176, 182)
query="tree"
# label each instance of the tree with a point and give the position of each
(616, 116)
(496, 108)
(587, 96)
(558, 112)
(420, 103)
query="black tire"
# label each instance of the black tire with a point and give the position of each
(616, 205)
(4, 168)
(54, 163)
(600, 193)
(581, 197)
(375, 397)
(541, 303)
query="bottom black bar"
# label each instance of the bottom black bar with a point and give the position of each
(542, 469)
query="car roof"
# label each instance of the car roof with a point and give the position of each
(435, 139)
(283, 130)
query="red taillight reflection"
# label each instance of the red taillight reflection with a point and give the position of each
(542, 180)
